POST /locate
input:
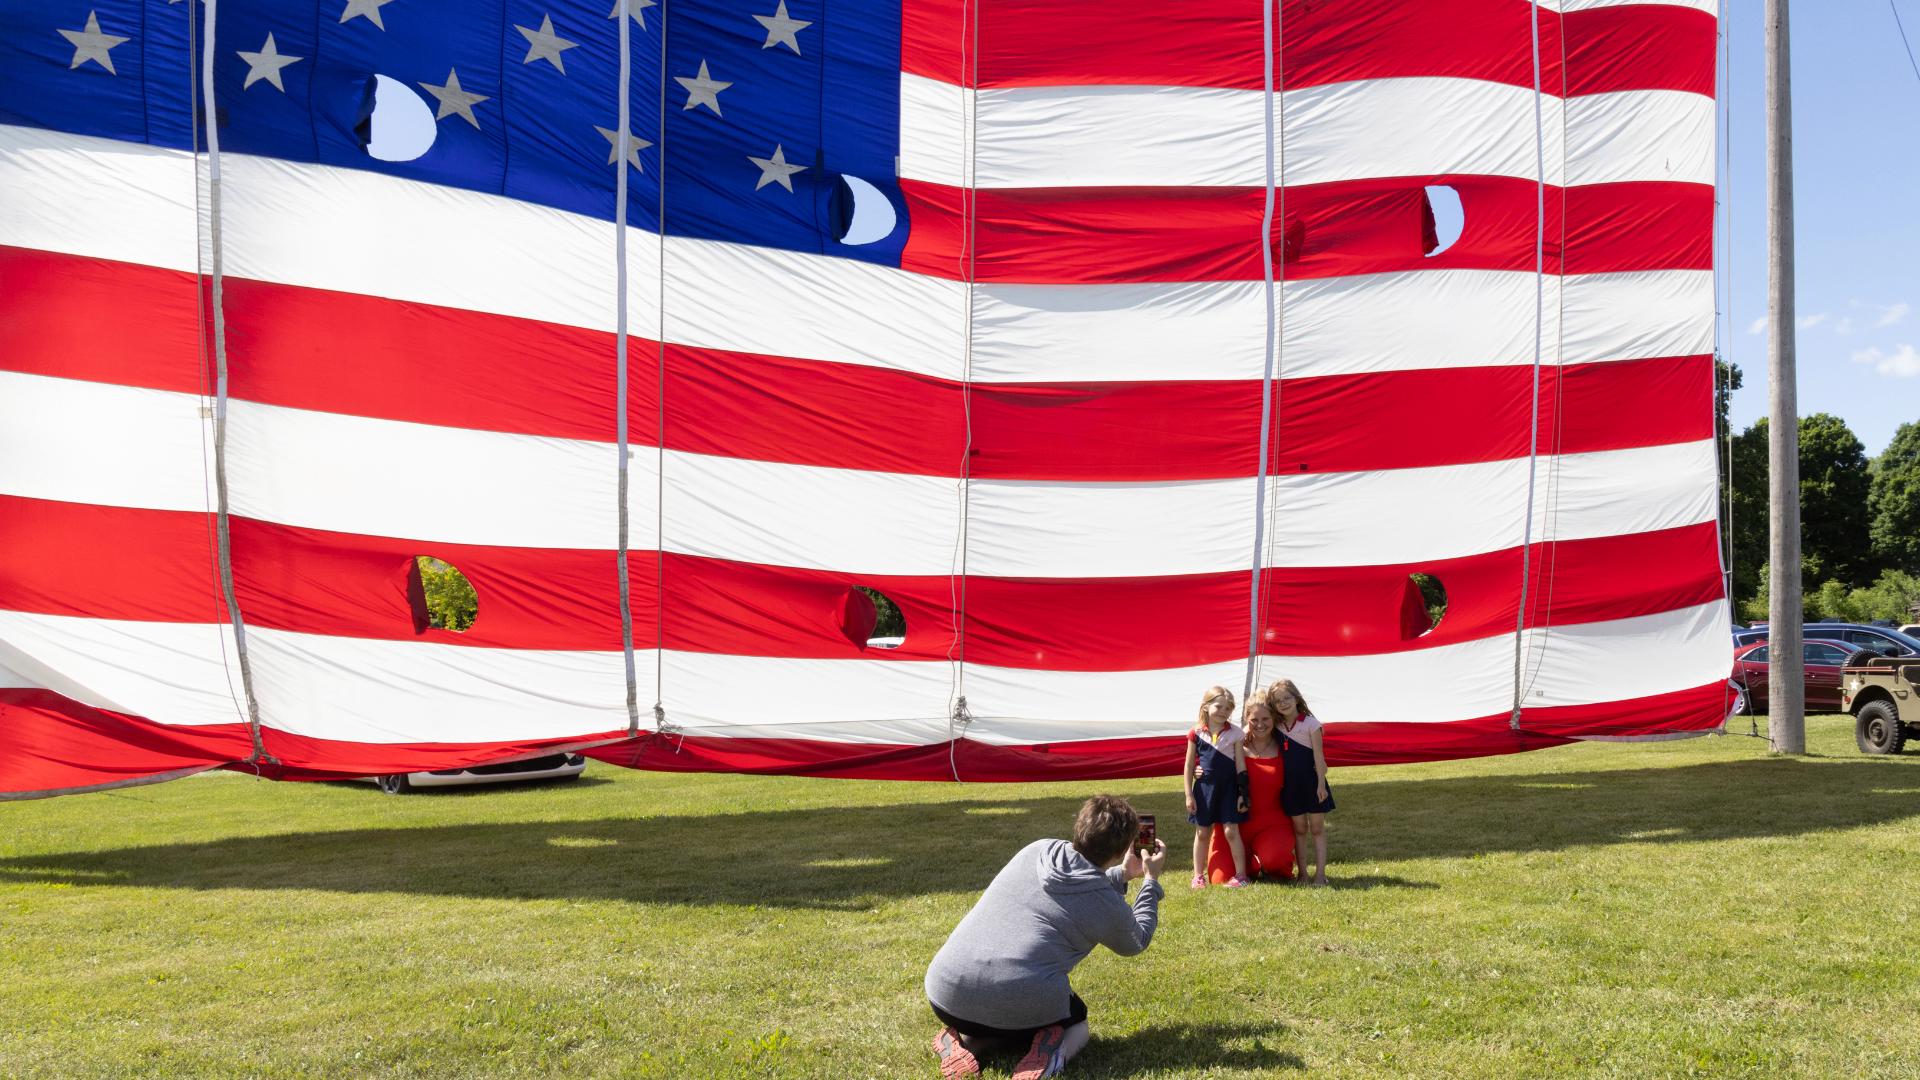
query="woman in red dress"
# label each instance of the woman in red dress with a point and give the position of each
(1268, 832)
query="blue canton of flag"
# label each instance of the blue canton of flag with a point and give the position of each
(769, 119)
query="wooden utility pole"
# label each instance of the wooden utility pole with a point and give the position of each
(1786, 681)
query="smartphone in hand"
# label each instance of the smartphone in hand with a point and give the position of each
(1148, 833)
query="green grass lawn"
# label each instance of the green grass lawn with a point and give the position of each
(1670, 909)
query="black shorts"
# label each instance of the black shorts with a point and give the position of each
(1015, 1040)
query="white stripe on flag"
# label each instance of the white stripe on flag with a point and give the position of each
(358, 475)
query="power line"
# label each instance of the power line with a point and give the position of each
(1903, 38)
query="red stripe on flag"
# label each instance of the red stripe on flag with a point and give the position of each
(67, 559)
(1217, 43)
(337, 352)
(1084, 236)
(53, 745)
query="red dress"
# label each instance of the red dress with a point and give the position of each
(1267, 832)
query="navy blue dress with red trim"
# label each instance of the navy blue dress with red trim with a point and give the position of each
(1300, 782)
(1216, 794)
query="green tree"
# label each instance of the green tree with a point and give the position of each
(1894, 502)
(1434, 595)
(1834, 484)
(1891, 596)
(888, 621)
(1727, 380)
(451, 601)
(1833, 601)
(1747, 497)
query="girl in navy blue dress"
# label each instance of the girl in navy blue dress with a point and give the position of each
(1215, 776)
(1303, 789)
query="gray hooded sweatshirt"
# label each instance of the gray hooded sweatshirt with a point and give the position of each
(1006, 964)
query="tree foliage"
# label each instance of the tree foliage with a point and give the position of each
(1894, 502)
(1433, 595)
(1834, 517)
(451, 602)
(888, 621)
(1890, 597)
(1746, 532)
(1728, 379)
(1834, 484)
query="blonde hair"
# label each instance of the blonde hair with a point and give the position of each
(1213, 693)
(1286, 686)
(1247, 713)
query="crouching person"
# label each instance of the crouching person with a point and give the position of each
(999, 984)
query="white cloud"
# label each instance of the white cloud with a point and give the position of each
(1808, 322)
(1844, 326)
(1758, 326)
(1882, 314)
(1902, 363)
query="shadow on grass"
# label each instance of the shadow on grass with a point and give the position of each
(852, 857)
(1186, 1046)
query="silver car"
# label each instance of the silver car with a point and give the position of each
(550, 767)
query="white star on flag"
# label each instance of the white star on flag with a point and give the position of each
(780, 29)
(266, 64)
(775, 170)
(91, 44)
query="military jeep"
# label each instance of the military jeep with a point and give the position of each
(1883, 694)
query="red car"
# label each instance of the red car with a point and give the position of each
(1823, 659)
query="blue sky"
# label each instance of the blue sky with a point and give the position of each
(1856, 128)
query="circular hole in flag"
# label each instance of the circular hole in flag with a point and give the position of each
(870, 618)
(445, 597)
(400, 125)
(1424, 606)
(1441, 219)
(862, 212)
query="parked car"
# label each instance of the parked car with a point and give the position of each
(1824, 661)
(1912, 629)
(1883, 640)
(1875, 692)
(550, 767)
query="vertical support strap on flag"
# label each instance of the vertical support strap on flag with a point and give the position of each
(1539, 345)
(1723, 273)
(216, 278)
(622, 137)
(1268, 34)
(660, 394)
(958, 716)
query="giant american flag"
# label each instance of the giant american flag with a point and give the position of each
(1115, 343)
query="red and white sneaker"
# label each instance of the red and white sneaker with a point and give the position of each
(1043, 1058)
(956, 1060)
(1237, 883)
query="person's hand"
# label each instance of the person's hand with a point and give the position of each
(1192, 807)
(1199, 772)
(1156, 860)
(1321, 792)
(1135, 865)
(1243, 804)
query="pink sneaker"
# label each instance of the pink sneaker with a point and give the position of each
(956, 1061)
(1199, 881)
(1043, 1058)
(1237, 883)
